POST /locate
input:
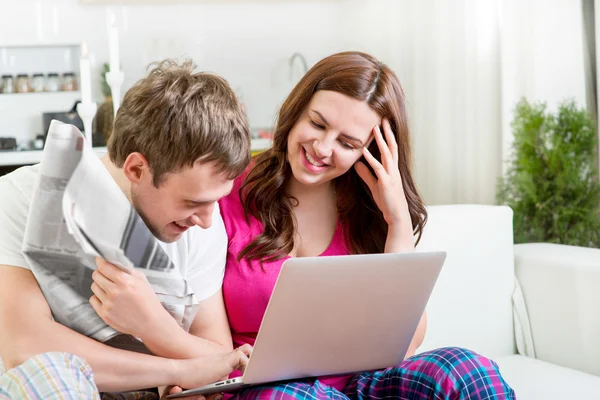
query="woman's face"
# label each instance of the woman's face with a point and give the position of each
(329, 136)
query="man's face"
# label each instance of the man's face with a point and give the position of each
(183, 199)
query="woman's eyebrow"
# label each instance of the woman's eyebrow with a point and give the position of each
(354, 139)
(321, 116)
(349, 137)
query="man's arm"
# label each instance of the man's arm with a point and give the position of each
(128, 303)
(27, 328)
(209, 333)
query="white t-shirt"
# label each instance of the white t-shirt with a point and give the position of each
(199, 254)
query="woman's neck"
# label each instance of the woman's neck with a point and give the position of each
(311, 194)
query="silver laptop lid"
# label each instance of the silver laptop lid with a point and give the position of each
(333, 315)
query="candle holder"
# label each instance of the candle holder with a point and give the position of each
(115, 80)
(87, 112)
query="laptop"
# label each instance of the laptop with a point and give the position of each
(337, 315)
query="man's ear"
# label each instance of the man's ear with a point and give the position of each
(136, 167)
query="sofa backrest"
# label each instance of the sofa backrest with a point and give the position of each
(471, 303)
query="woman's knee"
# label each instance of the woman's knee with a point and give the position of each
(457, 359)
(466, 370)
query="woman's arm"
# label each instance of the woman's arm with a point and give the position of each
(418, 337)
(400, 239)
(388, 191)
(400, 236)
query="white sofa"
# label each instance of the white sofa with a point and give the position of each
(542, 328)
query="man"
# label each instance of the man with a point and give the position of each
(179, 140)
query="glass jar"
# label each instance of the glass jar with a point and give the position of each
(69, 83)
(7, 85)
(37, 82)
(52, 83)
(22, 84)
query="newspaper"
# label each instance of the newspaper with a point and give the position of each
(78, 213)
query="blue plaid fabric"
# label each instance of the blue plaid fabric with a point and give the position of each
(446, 374)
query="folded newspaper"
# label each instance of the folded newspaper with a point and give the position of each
(78, 213)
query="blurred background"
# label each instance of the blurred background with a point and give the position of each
(464, 65)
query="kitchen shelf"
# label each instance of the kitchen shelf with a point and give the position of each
(29, 157)
(40, 45)
(8, 158)
(60, 92)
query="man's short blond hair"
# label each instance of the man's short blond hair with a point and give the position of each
(174, 117)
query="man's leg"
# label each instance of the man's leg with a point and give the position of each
(447, 373)
(51, 376)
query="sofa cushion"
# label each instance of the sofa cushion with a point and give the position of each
(471, 303)
(533, 379)
(560, 290)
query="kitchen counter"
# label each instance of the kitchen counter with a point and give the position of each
(9, 158)
(29, 157)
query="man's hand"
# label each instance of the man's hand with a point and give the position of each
(196, 372)
(125, 301)
(177, 389)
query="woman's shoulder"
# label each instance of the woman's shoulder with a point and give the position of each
(234, 195)
(232, 200)
(231, 206)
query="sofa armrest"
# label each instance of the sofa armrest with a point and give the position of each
(561, 289)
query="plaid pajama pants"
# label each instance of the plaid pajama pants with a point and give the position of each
(447, 373)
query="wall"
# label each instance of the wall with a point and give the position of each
(463, 64)
(249, 43)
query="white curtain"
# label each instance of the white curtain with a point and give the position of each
(464, 65)
(447, 55)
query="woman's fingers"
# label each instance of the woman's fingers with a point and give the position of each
(391, 140)
(380, 171)
(386, 156)
(366, 175)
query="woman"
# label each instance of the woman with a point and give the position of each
(338, 181)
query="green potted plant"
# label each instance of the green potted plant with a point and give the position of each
(552, 179)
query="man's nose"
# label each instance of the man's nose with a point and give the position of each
(203, 218)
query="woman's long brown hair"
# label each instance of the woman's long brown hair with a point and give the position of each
(263, 193)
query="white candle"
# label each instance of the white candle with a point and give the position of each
(113, 44)
(85, 76)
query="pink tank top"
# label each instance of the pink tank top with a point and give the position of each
(247, 286)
